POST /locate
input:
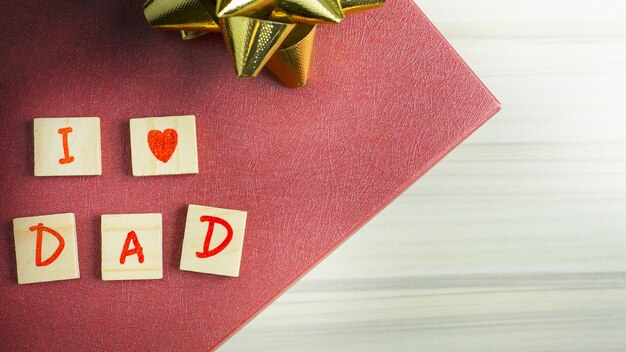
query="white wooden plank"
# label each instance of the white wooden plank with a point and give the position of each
(517, 240)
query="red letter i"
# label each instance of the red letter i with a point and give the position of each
(66, 150)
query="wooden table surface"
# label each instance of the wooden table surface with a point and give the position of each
(517, 240)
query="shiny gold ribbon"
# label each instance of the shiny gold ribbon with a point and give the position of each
(277, 34)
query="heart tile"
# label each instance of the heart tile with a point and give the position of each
(163, 143)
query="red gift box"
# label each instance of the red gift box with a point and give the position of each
(387, 98)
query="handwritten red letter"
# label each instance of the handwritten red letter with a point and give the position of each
(40, 228)
(209, 233)
(66, 150)
(132, 236)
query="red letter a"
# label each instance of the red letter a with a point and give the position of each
(132, 236)
(40, 229)
(209, 233)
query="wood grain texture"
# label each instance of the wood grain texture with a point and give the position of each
(517, 240)
(132, 246)
(224, 229)
(164, 145)
(46, 248)
(67, 146)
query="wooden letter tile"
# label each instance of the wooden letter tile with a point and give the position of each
(68, 146)
(213, 240)
(132, 247)
(45, 248)
(164, 145)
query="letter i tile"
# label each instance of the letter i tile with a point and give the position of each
(67, 146)
(132, 247)
(45, 248)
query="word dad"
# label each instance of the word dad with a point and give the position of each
(46, 246)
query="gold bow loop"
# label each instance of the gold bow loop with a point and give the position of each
(277, 34)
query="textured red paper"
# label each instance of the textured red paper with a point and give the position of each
(387, 99)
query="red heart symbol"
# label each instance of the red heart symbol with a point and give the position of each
(163, 144)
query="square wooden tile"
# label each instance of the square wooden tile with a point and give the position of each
(67, 146)
(45, 248)
(132, 247)
(164, 145)
(213, 240)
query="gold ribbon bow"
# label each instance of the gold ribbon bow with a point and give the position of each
(258, 33)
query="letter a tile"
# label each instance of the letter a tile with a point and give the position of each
(45, 248)
(67, 146)
(213, 240)
(132, 247)
(164, 145)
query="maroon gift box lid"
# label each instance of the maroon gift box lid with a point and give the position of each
(387, 98)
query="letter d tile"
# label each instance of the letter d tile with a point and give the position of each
(213, 240)
(45, 248)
